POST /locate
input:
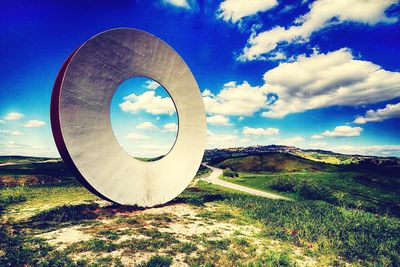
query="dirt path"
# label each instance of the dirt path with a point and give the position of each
(216, 172)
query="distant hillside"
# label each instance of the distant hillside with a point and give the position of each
(22, 159)
(272, 162)
(21, 171)
(311, 154)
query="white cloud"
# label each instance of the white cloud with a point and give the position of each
(10, 133)
(146, 126)
(317, 136)
(152, 85)
(382, 150)
(234, 10)
(207, 93)
(340, 131)
(152, 151)
(170, 127)
(178, 3)
(33, 124)
(1, 121)
(323, 80)
(137, 136)
(235, 100)
(148, 102)
(14, 148)
(390, 111)
(218, 120)
(277, 56)
(260, 131)
(221, 140)
(13, 116)
(323, 13)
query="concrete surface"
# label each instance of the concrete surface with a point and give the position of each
(80, 116)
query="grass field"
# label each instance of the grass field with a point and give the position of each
(349, 189)
(62, 224)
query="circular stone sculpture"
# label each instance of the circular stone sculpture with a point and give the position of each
(80, 118)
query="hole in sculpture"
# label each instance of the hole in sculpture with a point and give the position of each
(144, 118)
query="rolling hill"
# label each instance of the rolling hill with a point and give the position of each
(273, 162)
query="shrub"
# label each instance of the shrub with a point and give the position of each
(285, 184)
(157, 261)
(306, 188)
(187, 248)
(229, 173)
(310, 189)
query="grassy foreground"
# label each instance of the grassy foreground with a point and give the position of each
(307, 232)
(344, 189)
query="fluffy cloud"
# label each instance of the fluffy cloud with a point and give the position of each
(33, 124)
(178, 3)
(317, 136)
(221, 140)
(234, 10)
(13, 116)
(323, 80)
(151, 151)
(340, 131)
(218, 120)
(170, 127)
(277, 56)
(390, 111)
(146, 126)
(323, 13)
(148, 102)
(152, 85)
(137, 136)
(14, 148)
(10, 133)
(260, 131)
(235, 100)
(310, 82)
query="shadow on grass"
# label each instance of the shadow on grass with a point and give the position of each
(68, 215)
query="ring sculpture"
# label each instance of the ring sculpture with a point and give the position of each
(80, 118)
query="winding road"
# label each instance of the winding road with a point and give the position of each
(213, 178)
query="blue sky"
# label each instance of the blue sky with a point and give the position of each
(313, 74)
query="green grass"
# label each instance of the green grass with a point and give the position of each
(352, 234)
(97, 245)
(58, 169)
(272, 162)
(44, 197)
(350, 189)
(330, 158)
(203, 171)
(187, 247)
(340, 223)
(355, 235)
(157, 261)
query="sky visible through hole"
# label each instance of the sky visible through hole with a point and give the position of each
(143, 118)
